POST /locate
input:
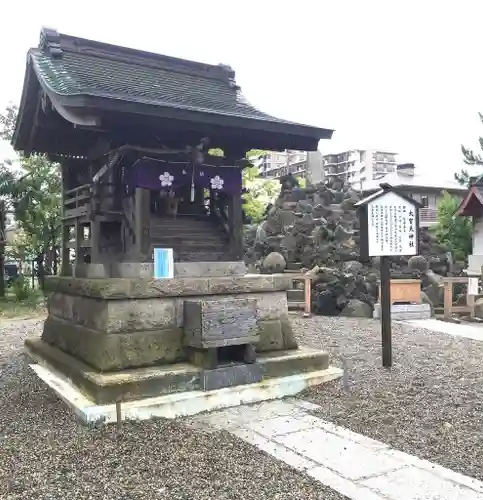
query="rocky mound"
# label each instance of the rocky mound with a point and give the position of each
(316, 229)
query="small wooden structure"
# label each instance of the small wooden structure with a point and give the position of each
(472, 206)
(132, 132)
(404, 291)
(449, 307)
(306, 292)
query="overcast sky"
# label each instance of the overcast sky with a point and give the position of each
(402, 75)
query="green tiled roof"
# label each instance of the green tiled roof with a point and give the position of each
(77, 74)
(103, 88)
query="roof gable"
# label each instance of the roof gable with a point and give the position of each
(472, 204)
(384, 189)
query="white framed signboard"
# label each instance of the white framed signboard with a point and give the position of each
(392, 226)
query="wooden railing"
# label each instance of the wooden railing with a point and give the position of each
(82, 200)
(306, 305)
(220, 212)
(77, 202)
(449, 307)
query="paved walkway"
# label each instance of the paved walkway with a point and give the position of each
(457, 329)
(354, 465)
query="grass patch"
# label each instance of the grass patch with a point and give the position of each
(31, 307)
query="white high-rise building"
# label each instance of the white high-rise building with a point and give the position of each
(358, 166)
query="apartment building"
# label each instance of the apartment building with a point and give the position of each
(275, 164)
(358, 166)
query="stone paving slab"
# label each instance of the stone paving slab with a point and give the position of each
(458, 330)
(352, 464)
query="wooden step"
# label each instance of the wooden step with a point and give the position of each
(187, 236)
(200, 247)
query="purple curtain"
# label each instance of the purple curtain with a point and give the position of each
(152, 174)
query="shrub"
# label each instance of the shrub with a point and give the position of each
(21, 288)
(453, 232)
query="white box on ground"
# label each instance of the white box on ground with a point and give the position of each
(405, 311)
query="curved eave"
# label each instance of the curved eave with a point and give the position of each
(269, 133)
(25, 114)
(307, 137)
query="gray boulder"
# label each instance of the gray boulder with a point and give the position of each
(425, 300)
(273, 263)
(479, 308)
(357, 309)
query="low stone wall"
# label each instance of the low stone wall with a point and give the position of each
(113, 324)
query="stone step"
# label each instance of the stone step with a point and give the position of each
(296, 305)
(202, 257)
(294, 266)
(295, 295)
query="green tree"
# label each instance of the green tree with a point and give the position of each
(454, 233)
(472, 158)
(32, 190)
(259, 192)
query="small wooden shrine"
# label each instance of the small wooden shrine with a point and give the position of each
(472, 206)
(132, 131)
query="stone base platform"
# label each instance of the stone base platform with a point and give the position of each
(405, 311)
(147, 382)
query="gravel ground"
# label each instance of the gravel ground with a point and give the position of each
(46, 455)
(428, 404)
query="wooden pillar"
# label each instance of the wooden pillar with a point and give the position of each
(79, 237)
(95, 236)
(448, 299)
(308, 294)
(65, 268)
(141, 224)
(235, 216)
(235, 208)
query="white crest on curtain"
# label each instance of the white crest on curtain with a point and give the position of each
(217, 182)
(166, 179)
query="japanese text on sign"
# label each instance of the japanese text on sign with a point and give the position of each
(392, 226)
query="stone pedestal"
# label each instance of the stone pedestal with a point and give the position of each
(114, 324)
(475, 264)
(125, 338)
(405, 312)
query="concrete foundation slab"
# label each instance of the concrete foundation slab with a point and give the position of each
(139, 383)
(405, 311)
(180, 404)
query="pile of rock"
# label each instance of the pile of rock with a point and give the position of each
(316, 229)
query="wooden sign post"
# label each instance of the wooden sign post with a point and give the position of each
(389, 226)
